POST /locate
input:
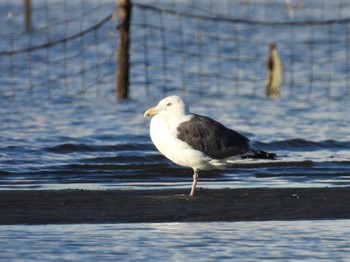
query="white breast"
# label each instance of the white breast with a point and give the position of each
(164, 136)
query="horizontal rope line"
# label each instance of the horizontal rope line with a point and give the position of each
(49, 44)
(244, 21)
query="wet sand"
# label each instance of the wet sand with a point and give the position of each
(117, 206)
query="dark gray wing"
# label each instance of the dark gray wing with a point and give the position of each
(209, 136)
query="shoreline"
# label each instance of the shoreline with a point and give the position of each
(130, 206)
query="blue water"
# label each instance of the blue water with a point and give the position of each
(326, 240)
(56, 136)
(85, 143)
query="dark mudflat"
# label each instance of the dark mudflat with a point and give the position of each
(123, 206)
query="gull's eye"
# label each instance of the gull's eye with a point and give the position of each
(168, 104)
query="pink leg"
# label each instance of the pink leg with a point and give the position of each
(194, 183)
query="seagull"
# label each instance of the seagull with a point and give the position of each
(197, 141)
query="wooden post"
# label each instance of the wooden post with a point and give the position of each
(27, 15)
(274, 72)
(122, 87)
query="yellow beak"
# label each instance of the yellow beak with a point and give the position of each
(152, 111)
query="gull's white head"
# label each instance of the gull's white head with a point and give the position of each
(171, 105)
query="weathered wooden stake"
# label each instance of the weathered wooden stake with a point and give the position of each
(274, 72)
(122, 87)
(27, 15)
